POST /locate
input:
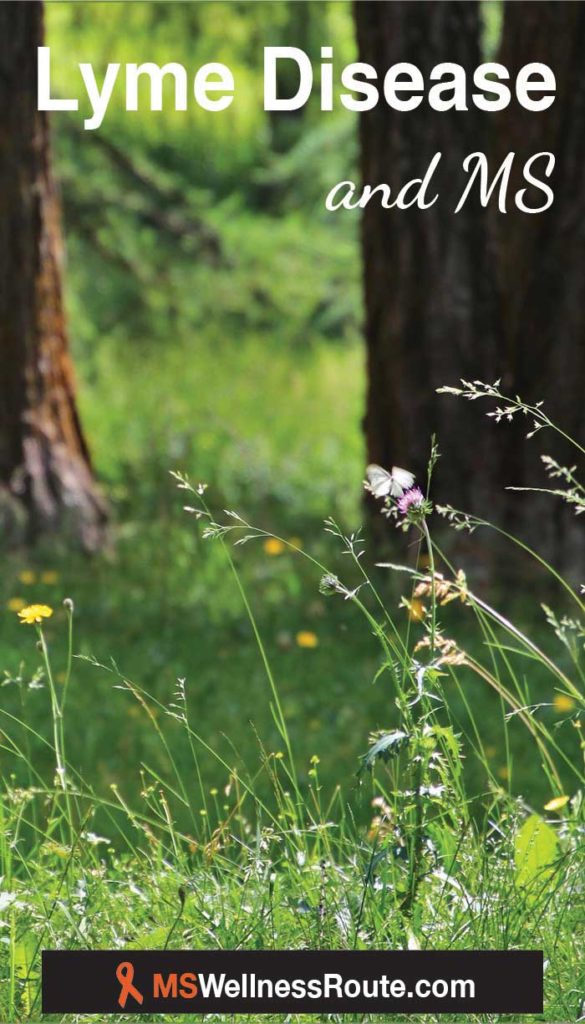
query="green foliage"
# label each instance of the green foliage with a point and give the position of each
(385, 747)
(536, 849)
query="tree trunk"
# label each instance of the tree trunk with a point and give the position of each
(429, 299)
(45, 470)
(540, 266)
(478, 294)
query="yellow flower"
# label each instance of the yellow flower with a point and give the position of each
(307, 639)
(16, 604)
(562, 702)
(49, 577)
(295, 542)
(503, 773)
(416, 610)
(556, 803)
(35, 613)
(27, 576)
(273, 546)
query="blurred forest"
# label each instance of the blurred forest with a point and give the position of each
(201, 267)
(215, 321)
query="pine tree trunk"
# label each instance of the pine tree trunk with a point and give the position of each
(45, 471)
(429, 297)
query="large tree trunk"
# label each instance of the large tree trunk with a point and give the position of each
(45, 469)
(541, 261)
(429, 300)
(479, 294)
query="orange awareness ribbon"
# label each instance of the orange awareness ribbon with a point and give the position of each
(125, 975)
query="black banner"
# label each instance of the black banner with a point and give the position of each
(266, 981)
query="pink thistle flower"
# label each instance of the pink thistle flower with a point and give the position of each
(412, 498)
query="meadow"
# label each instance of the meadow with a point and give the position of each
(275, 744)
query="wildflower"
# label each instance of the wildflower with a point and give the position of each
(503, 773)
(416, 610)
(273, 546)
(27, 576)
(557, 803)
(562, 702)
(329, 584)
(296, 542)
(34, 613)
(49, 577)
(305, 638)
(315, 759)
(16, 604)
(412, 498)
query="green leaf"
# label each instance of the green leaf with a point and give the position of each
(535, 849)
(387, 746)
(24, 950)
(153, 939)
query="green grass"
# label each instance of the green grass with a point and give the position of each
(271, 854)
(238, 787)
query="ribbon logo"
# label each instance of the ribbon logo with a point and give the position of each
(125, 975)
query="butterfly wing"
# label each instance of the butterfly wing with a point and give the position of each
(379, 481)
(401, 481)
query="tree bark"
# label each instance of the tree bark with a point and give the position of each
(430, 308)
(540, 267)
(45, 469)
(478, 294)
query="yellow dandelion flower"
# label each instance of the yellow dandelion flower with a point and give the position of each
(557, 803)
(16, 604)
(503, 773)
(49, 577)
(563, 703)
(273, 546)
(307, 639)
(34, 613)
(27, 576)
(490, 751)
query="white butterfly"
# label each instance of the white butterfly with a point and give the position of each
(382, 483)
